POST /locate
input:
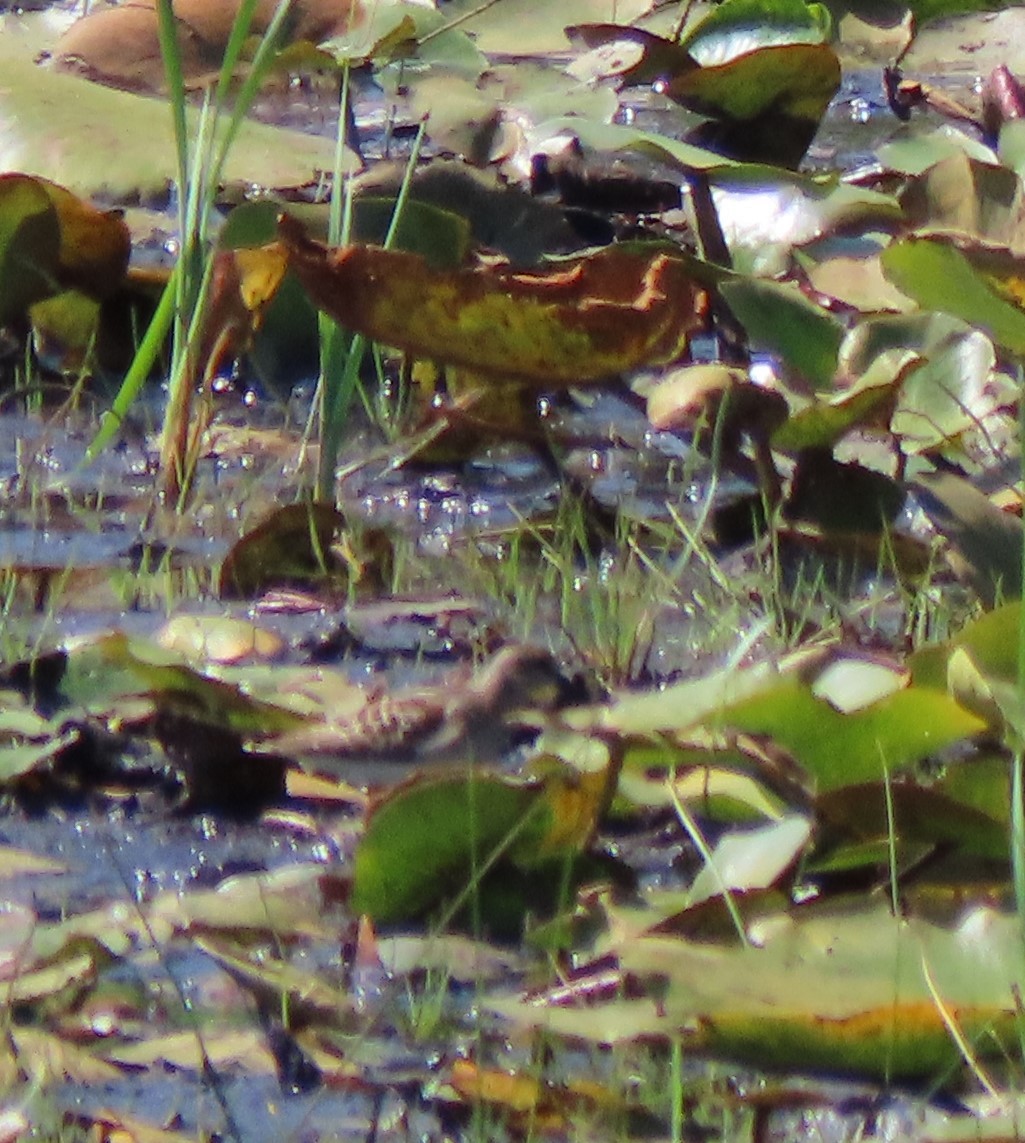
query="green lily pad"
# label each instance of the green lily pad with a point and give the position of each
(916, 814)
(524, 27)
(437, 836)
(763, 71)
(113, 671)
(841, 749)
(418, 36)
(779, 319)
(736, 27)
(94, 140)
(852, 990)
(914, 154)
(982, 284)
(992, 641)
(962, 194)
(869, 401)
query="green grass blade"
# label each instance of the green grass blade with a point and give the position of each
(339, 374)
(142, 364)
(261, 63)
(233, 50)
(167, 29)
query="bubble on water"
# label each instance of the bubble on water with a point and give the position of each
(860, 110)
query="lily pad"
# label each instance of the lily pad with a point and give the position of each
(982, 284)
(522, 27)
(762, 72)
(852, 990)
(841, 749)
(985, 543)
(51, 241)
(292, 546)
(579, 321)
(437, 836)
(95, 140)
(779, 319)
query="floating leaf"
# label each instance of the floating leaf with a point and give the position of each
(762, 71)
(522, 27)
(718, 793)
(688, 703)
(416, 35)
(992, 642)
(781, 320)
(24, 863)
(441, 836)
(776, 88)
(207, 639)
(962, 194)
(685, 394)
(56, 1059)
(120, 46)
(293, 545)
(857, 991)
(751, 859)
(579, 321)
(243, 1048)
(869, 402)
(985, 544)
(50, 241)
(104, 673)
(944, 368)
(737, 27)
(436, 836)
(909, 814)
(95, 140)
(287, 900)
(303, 545)
(984, 285)
(841, 749)
(851, 682)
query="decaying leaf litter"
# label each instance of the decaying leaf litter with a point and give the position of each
(619, 743)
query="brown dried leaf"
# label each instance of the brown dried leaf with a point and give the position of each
(585, 319)
(121, 46)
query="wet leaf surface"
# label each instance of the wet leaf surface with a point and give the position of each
(588, 319)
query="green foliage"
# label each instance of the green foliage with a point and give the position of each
(736, 26)
(440, 837)
(777, 318)
(971, 283)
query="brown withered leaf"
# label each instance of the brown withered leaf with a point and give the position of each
(120, 46)
(582, 320)
(292, 545)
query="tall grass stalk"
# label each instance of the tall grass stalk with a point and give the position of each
(200, 165)
(698, 840)
(1018, 765)
(341, 353)
(337, 347)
